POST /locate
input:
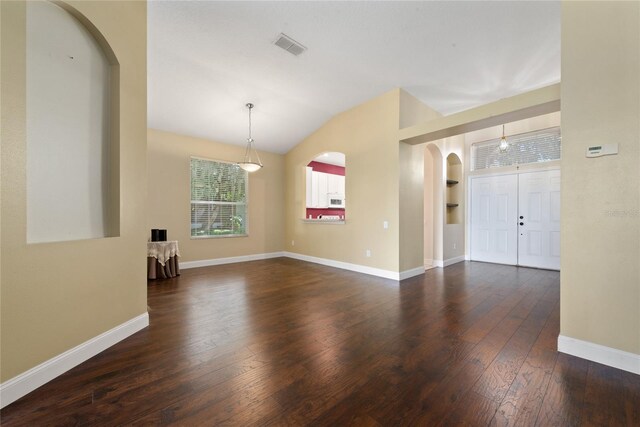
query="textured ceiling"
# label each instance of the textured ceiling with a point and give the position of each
(207, 59)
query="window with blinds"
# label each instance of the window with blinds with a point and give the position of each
(531, 147)
(218, 199)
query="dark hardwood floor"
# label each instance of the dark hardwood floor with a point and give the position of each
(284, 342)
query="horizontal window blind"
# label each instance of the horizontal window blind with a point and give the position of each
(218, 198)
(531, 147)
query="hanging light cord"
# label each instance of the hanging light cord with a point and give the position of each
(250, 106)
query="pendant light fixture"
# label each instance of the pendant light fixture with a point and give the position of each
(504, 145)
(251, 162)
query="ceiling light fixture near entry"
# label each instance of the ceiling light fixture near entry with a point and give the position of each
(504, 145)
(251, 162)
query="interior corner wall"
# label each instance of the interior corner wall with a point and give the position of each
(169, 197)
(420, 202)
(368, 136)
(600, 258)
(433, 205)
(56, 296)
(413, 111)
(411, 197)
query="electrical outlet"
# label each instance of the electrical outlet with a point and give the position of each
(385, 224)
(454, 246)
(368, 253)
(293, 243)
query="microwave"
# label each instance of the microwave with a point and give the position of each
(335, 200)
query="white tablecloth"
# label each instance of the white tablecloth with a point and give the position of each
(162, 251)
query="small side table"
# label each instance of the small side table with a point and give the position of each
(162, 260)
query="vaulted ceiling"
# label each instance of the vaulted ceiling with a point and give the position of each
(207, 59)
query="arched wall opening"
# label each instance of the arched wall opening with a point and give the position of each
(72, 111)
(325, 187)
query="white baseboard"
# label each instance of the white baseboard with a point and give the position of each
(438, 263)
(30, 380)
(451, 261)
(598, 353)
(411, 273)
(230, 260)
(387, 274)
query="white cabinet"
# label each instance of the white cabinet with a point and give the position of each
(314, 190)
(333, 185)
(341, 185)
(309, 187)
(323, 189)
(320, 185)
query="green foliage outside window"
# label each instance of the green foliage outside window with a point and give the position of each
(218, 198)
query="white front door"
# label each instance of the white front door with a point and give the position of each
(539, 219)
(515, 219)
(494, 210)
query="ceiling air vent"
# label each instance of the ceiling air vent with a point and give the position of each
(289, 44)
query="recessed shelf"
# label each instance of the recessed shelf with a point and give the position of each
(454, 190)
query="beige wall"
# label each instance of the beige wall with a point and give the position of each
(417, 198)
(441, 241)
(600, 277)
(169, 197)
(411, 196)
(433, 205)
(58, 295)
(413, 111)
(367, 135)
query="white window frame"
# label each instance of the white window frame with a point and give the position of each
(192, 202)
(513, 145)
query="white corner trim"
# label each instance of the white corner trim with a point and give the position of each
(598, 353)
(455, 260)
(230, 260)
(438, 263)
(26, 382)
(387, 274)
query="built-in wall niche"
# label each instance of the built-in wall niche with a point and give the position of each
(454, 193)
(72, 86)
(325, 187)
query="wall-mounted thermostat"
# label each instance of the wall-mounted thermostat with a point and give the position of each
(602, 150)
